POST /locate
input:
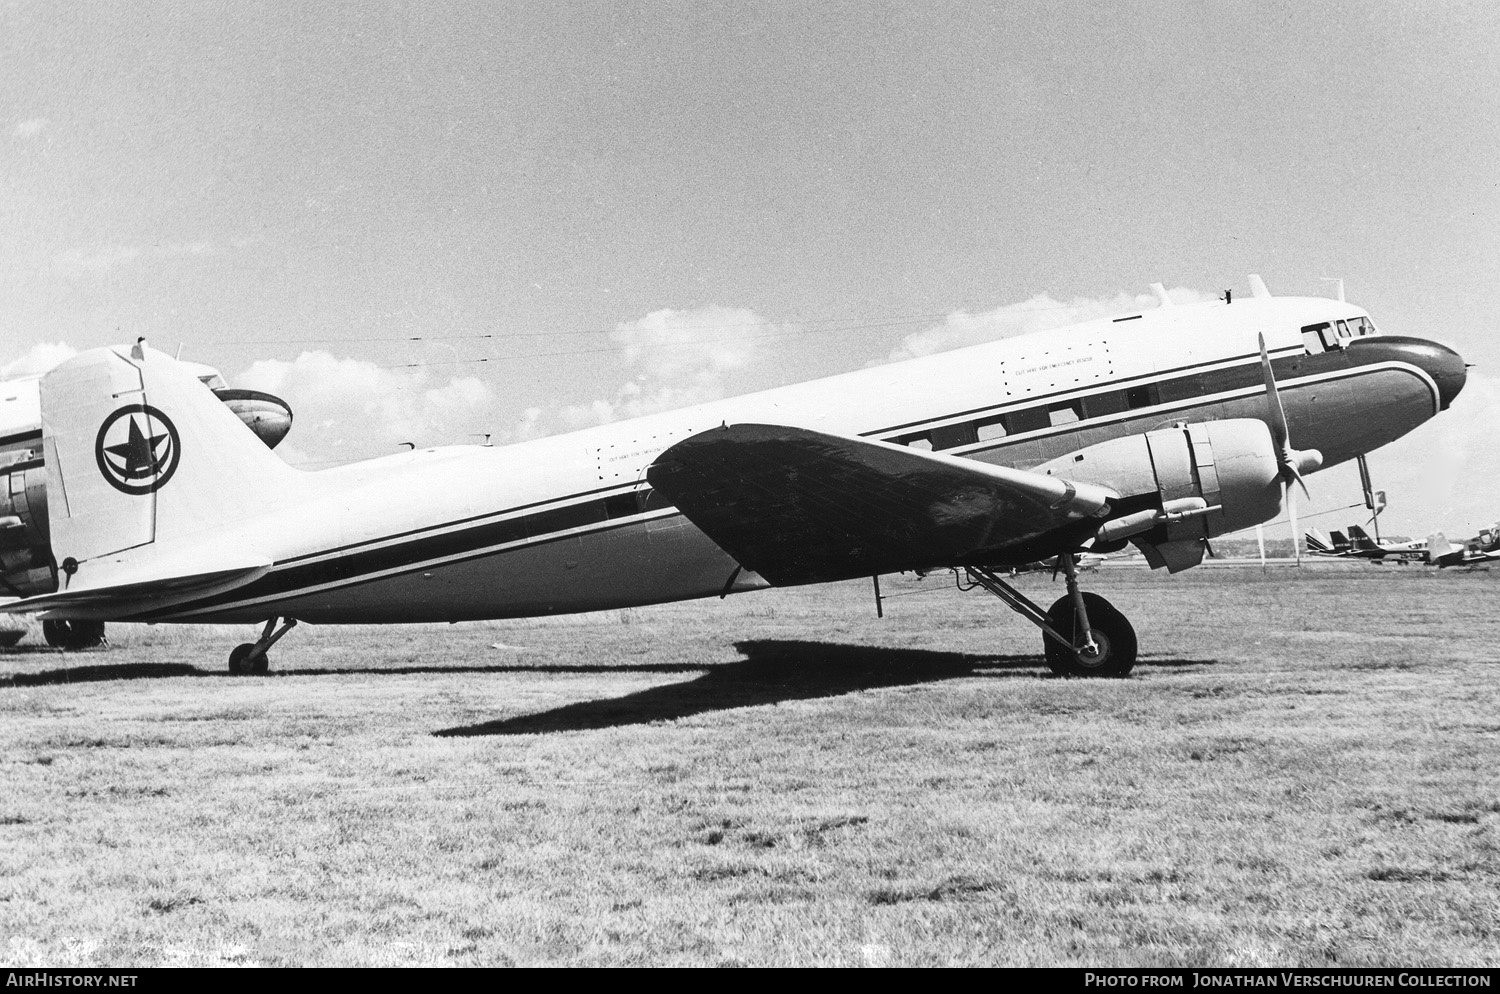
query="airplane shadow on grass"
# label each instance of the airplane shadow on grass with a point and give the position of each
(772, 671)
(141, 671)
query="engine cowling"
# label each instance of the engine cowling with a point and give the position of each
(265, 414)
(1182, 485)
(25, 566)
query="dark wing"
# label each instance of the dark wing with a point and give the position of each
(799, 506)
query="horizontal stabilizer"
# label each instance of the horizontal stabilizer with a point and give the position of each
(164, 583)
(799, 506)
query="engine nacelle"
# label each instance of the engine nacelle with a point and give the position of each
(265, 414)
(25, 566)
(1198, 480)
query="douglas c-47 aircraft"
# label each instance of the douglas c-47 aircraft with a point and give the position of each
(1163, 429)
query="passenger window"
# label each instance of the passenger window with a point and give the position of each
(1141, 396)
(1105, 403)
(989, 428)
(952, 436)
(1028, 420)
(621, 506)
(1065, 413)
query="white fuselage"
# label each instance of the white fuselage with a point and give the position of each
(566, 523)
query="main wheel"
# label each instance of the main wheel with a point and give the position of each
(1112, 634)
(73, 634)
(244, 660)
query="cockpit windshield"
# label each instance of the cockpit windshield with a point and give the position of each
(1335, 334)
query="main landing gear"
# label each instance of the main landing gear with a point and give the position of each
(251, 657)
(73, 635)
(1082, 634)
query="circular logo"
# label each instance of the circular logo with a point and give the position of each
(137, 449)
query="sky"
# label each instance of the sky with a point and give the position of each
(429, 222)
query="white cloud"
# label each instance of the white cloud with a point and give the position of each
(1035, 314)
(677, 358)
(38, 359)
(103, 258)
(97, 260)
(348, 408)
(29, 128)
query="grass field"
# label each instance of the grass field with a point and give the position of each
(1302, 770)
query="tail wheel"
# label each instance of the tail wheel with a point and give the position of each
(72, 635)
(1112, 632)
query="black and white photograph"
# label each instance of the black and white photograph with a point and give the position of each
(691, 483)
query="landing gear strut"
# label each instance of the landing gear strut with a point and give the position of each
(1082, 634)
(73, 635)
(251, 657)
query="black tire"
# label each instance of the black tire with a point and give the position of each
(241, 663)
(73, 635)
(1112, 633)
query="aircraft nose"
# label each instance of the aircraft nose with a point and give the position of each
(1446, 367)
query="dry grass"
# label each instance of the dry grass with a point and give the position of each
(1302, 771)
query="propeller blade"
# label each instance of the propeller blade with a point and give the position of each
(1291, 512)
(1279, 429)
(1289, 469)
(1292, 460)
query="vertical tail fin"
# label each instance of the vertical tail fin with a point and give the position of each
(1441, 552)
(142, 460)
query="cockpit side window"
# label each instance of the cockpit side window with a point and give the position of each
(1361, 326)
(1317, 338)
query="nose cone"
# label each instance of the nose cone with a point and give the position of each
(1446, 367)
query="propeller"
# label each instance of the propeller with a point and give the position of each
(1294, 462)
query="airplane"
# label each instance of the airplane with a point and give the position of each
(1085, 562)
(1482, 548)
(1360, 545)
(26, 565)
(1163, 428)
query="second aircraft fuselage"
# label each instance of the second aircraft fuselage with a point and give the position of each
(567, 523)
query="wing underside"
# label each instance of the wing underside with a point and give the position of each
(799, 506)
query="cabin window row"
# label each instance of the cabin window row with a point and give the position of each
(1036, 418)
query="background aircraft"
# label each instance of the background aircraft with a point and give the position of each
(1163, 429)
(1359, 545)
(26, 563)
(1482, 548)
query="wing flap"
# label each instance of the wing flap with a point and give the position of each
(799, 506)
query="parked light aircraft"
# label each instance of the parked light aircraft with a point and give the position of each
(26, 564)
(1482, 548)
(1360, 545)
(1163, 428)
